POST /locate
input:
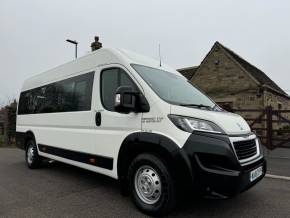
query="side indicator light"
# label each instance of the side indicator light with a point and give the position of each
(92, 160)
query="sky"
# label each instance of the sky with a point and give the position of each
(33, 33)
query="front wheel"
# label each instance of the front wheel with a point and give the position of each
(33, 160)
(152, 185)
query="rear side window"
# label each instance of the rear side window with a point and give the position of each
(73, 94)
(82, 102)
(111, 79)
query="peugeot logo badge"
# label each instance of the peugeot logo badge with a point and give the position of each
(240, 126)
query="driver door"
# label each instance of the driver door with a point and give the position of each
(113, 127)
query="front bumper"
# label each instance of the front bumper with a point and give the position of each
(215, 166)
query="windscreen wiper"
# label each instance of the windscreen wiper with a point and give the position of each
(196, 105)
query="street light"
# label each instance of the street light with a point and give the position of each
(76, 48)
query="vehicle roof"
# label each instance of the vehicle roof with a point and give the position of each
(99, 57)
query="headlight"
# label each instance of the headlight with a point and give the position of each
(189, 124)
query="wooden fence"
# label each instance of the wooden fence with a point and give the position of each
(271, 126)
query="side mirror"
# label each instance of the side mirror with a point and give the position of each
(127, 100)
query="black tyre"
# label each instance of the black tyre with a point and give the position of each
(152, 185)
(33, 160)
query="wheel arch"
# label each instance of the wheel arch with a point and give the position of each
(23, 137)
(141, 142)
(28, 136)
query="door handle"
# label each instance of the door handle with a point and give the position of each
(98, 118)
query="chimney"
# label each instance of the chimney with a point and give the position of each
(96, 44)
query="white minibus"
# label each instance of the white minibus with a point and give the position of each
(123, 115)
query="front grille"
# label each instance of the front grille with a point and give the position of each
(245, 149)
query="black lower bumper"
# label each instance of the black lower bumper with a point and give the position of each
(215, 166)
(229, 184)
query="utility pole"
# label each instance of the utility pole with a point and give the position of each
(76, 46)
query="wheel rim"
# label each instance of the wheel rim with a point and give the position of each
(30, 154)
(147, 184)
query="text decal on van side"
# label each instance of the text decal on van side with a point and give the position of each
(152, 119)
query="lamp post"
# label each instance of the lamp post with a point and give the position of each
(76, 46)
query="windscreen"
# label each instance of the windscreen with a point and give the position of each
(173, 88)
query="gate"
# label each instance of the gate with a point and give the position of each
(271, 126)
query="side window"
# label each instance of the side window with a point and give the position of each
(46, 99)
(81, 100)
(83, 87)
(65, 95)
(23, 107)
(73, 94)
(111, 79)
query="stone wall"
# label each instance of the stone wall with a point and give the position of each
(223, 79)
(226, 83)
(276, 101)
(219, 76)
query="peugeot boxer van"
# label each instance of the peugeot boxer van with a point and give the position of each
(123, 115)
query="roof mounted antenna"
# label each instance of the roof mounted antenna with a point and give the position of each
(159, 55)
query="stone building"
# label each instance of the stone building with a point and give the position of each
(234, 83)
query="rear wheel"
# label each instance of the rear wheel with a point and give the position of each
(152, 186)
(33, 160)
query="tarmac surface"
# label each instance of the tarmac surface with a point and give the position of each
(60, 190)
